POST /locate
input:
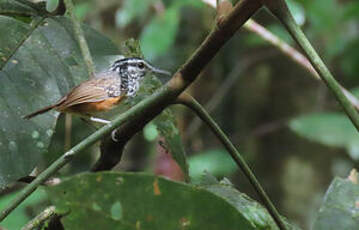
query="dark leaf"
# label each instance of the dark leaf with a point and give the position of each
(39, 63)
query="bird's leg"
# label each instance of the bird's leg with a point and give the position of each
(103, 121)
(99, 120)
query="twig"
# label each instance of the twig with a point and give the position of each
(287, 50)
(40, 219)
(191, 103)
(81, 38)
(280, 9)
(154, 104)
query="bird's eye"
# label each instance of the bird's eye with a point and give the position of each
(141, 65)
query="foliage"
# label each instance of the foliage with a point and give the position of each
(340, 206)
(134, 200)
(40, 61)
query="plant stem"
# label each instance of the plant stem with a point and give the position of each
(280, 9)
(154, 104)
(80, 38)
(40, 219)
(190, 102)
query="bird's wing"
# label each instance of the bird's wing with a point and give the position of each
(93, 90)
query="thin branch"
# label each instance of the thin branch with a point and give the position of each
(287, 50)
(280, 9)
(40, 219)
(190, 102)
(80, 38)
(154, 104)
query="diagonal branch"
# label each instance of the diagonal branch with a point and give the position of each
(280, 9)
(154, 104)
(191, 103)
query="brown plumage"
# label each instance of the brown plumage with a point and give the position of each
(87, 98)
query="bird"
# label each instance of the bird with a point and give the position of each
(104, 91)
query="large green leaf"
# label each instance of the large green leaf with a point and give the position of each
(332, 129)
(39, 63)
(112, 200)
(340, 208)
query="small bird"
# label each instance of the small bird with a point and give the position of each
(104, 91)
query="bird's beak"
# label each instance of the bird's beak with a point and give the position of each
(160, 71)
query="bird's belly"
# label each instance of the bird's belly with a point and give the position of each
(94, 107)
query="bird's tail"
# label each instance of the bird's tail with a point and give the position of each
(41, 111)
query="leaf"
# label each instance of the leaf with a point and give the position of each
(160, 34)
(256, 214)
(332, 129)
(20, 216)
(39, 63)
(113, 200)
(340, 207)
(51, 5)
(216, 162)
(13, 7)
(130, 10)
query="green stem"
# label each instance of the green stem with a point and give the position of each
(80, 38)
(280, 9)
(191, 103)
(40, 219)
(154, 104)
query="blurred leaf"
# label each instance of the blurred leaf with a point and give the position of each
(82, 9)
(51, 5)
(19, 217)
(13, 7)
(150, 132)
(349, 61)
(297, 11)
(138, 201)
(340, 208)
(130, 10)
(38, 65)
(215, 162)
(159, 35)
(332, 129)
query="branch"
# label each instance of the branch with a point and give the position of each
(191, 103)
(154, 104)
(280, 9)
(80, 38)
(40, 219)
(287, 50)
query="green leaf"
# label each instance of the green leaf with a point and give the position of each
(160, 34)
(332, 129)
(130, 10)
(38, 64)
(216, 162)
(19, 217)
(112, 200)
(255, 213)
(51, 5)
(340, 208)
(13, 7)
